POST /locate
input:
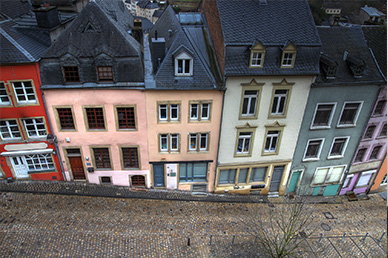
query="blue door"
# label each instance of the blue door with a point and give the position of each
(158, 175)
(294, 180)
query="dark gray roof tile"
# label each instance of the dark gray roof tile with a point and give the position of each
(337, 40)
(244, 21)
(376, 39)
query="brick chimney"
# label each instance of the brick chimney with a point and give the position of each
(47, 16)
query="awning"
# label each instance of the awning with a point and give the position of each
(26, 152)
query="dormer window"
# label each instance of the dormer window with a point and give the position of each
(355, 64)
(183, 65)
(257, 56)
(288, 57)
(328, 66)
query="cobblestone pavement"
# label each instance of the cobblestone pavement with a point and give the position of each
(46, 225)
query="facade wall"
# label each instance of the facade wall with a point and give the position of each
(338, 95)
(18, 112)
(112, 138)
(367, 145)
(379, 185)
(184, 127)
(288, 124)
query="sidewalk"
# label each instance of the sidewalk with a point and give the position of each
(86, 189)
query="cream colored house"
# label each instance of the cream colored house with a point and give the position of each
(269, 66)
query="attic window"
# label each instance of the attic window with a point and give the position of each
(89, 28)
(289, 56)
(183, 65)
(329, 66)
(356, 65)
(257, 56)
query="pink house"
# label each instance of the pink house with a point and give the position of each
(93, 83)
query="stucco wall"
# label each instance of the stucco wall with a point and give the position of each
(339, 95)
(292, 121)
(78, 98)
(184, 127)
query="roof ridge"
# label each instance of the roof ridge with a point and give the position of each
(17, 45)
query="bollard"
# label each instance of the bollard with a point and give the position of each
(320, 238)
(211, 237)
(381, 238)
(365, 236)
(343, 237)
(188, 241)
(234, 236)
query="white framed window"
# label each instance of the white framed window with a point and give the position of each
(338, 147)
(35, 127)
(323, 115)
(168, 112)
(203, 142)
(205, 111)
(271, 141)
(383, 132)
(199, 111)
(349, 114)
(365, 178)
(279, 102)
(249, 103)
(163, 142)
(163, 112)
(369, 132)
(288, 59)
(194, 111)
(198, 141)
(39, 162)
(257, 59)
(169, 142)
(328, 175)
(244, 143)
(24, 92)
(4, 98)
(313, 149)
(9, 130)
(183, 65)
(347, 181)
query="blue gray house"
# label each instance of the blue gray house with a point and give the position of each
(338, 108)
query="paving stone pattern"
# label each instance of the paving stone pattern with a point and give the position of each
(48, 225)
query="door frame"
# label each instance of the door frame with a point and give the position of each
(68, 163)
(13, 169)
(164, 175)
(299, 180)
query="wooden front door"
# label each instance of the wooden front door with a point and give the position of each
(138, 180)
(19, 167)
(77, 168)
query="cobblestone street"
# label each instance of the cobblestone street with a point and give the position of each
(46, 225)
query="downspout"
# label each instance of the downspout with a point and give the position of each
(51, 128)
(219, 135)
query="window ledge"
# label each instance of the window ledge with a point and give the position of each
(238, 155)
(310, 159)
(269, 153)
(41, 171)
(346, 126)
(335, 157)
(319, 127)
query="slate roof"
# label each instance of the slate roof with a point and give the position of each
(195, 41)
(109, 36)
(376, 39)
(337, 40)
(245, 21)
(16, 47)
(13, 8)
(273, 24)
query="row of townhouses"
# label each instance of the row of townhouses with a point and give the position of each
(215, 101)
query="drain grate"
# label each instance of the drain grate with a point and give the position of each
(328, 215)
(325, 227)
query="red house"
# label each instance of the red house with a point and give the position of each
(26, 150)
